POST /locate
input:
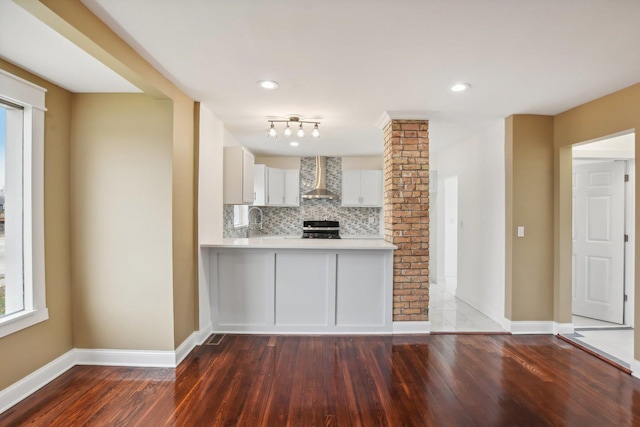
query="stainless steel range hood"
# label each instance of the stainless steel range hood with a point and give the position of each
(321, 192)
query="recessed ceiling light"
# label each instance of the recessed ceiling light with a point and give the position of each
(268, 84)
(294, 143)
(459, 87)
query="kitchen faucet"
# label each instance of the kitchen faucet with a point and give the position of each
(255, 223)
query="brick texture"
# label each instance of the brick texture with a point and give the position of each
(406, 206)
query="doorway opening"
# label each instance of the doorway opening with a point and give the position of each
(447, 312)
(451, 232)
(603, 235)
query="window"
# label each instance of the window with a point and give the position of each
(22, 280)
(240, 216)
(11, 192)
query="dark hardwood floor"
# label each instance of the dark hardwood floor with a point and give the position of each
(440, 380)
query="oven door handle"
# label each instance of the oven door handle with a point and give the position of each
(320, 228)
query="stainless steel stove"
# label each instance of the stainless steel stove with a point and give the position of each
(321, 229)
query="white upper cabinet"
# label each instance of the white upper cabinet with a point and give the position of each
(362, 188)
(259, 185)
(238, 176)
(275, 195)
(292, 187)
(283, 187)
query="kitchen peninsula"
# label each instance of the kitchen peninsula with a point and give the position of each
(284, 285)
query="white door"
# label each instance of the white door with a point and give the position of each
(598, 240)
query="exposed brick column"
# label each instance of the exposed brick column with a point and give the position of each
(406, 223)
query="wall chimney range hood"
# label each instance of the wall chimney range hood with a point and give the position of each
(321, 192)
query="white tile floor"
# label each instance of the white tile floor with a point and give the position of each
(447, 313)
(598, 335)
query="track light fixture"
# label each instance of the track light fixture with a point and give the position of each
(287, 132)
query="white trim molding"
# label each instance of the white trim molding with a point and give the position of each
(204, 333)
(387, 116)
(541, 327)
(137, 358)
(32, 100)
(400, 328)
(187, 346)
(36, 380)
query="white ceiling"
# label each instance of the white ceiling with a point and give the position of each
(346, 62)
(32, 45)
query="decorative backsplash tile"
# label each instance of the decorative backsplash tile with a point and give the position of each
(288, 220)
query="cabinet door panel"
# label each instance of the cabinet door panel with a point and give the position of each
(292, 187)
(371, 187)
(302, 289)
(245, 289)
(360, 290)
(350, 188)
(247, 177)
(275, 195)
(259, 185)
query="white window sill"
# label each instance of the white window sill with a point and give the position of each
(21, 320)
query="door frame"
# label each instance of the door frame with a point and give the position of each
(629, 248)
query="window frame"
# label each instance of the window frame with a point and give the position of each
(32, 99)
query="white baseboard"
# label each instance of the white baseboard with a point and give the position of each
(204, 333)
(635, 368)
(185, 348)
(541, 327)
(411, 328)
(100, 357)
(138, 358)
(36, 380)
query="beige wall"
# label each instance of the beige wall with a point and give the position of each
(282, 162)
(609, 115)
(27, 350)
(529, 203)
(121, 159)
(184, 222)
(72, 19)
(371, 162)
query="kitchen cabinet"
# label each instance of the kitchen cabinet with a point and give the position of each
(301, 289)
(362, 188)
(259, 185)
(292, 187)
(283, 187)
(275, 185)
(238, 176)
(248, 298)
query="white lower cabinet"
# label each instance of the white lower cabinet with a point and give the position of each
(246, 302)
(357, 302)
(308, 291)
(302, 294)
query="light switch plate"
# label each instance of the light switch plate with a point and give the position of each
(520, 231)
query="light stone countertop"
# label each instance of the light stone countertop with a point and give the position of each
(272, 242)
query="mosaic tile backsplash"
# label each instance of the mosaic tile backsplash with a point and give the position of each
(288, 221)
